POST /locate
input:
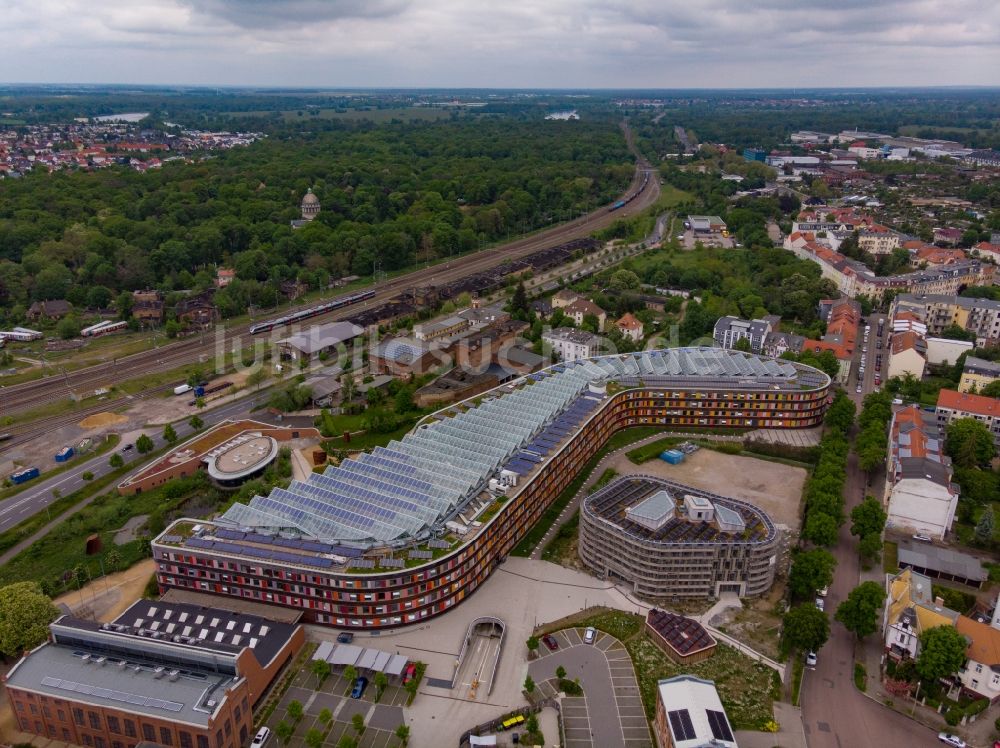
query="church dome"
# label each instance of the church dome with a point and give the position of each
(310, 198)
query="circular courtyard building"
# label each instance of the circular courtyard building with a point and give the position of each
(241, 459)
(668, 540)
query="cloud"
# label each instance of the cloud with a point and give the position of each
(516, 43)
(284, 14)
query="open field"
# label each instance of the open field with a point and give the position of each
(775, 488)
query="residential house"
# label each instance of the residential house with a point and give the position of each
(952, 405)
(542, 308)
(934, 257)
(147, 306)
(51, 309)
(224, 276)
(842, 317)
(630, 327)
(910, 610)
(947, 236)
(778, 343)
(583, 307)
(689, 714)
(571, 344)
(878, 240)
(563, 298)
(729, 331)
(980, 676)
(907, 355)
(987, 251)
(977, 373)
(919, 492)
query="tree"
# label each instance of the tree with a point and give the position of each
(144, 444)
(284, 731)
(992, 389)
(404, 400)
(25, 615)
(112, 560)
(321, 669)
(347, 387)
(859, 612)
(347, 741)
(519, 307)
(169, 434)
(624, 280)
(325, 716)
(68, 327)
(560, 672)
(532, 643)
(256, 377)
(743, 344)
(314, 738)
(116, 461)
(295, 710)
(196, 423)
(811, 570)
(403, 733)
(820, 529)
(942, 652)
(358, 723)
(350, 675)
(805, 628)
(381, 681)
(984, 528)
(868, 517)
(969, 442)
(529, 684)
(870, 547)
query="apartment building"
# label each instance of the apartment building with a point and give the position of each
(907, 355)
(730, 330)
(952, 405)
(939, 311)
(978, 373)
(572, 344)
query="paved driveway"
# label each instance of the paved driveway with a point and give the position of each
(610, 713)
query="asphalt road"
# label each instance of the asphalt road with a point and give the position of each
(39, 495)
(835, 714)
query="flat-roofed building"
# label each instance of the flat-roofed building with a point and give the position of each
(441, 328)
(319, 340)
(707, 224)
(168, 673)
(572, 344)
(668, 540)
(689, 714)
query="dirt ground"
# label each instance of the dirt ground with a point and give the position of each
(99, 420)
(106, 599)
(757, 624)
(771, 486)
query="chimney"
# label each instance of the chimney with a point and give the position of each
(939, 601)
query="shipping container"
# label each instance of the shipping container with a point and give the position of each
(64, 454)
(673, 456)
(23, 476)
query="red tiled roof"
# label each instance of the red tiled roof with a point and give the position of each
(905, 341)
(963, 401)
(629, 322)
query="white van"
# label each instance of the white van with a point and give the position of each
(262, 736)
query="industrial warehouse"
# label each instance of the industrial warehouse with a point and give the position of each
(448, 501)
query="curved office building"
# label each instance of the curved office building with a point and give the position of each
(407, 531)
(669, 540)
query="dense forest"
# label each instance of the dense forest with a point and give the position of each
(391, 195)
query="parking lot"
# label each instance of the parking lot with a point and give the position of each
(609, 714)
(381, 719)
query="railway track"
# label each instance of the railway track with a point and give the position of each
(29, 395)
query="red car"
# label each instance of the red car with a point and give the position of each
(411, 671)
(550, 642)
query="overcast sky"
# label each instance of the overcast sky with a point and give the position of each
(503, 43)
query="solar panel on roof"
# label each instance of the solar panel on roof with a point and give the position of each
(439, 544)
(420, 554)
(363, 563)
(392, 563)
(720, 725)
(680, 723)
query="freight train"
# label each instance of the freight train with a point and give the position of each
(622, 203)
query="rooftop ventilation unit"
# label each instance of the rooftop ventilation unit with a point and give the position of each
(101, 660)
(175, 674)
(158, 672)
(86, 658)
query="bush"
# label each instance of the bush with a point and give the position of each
(953, 716)
(860, 677)
(728, 448)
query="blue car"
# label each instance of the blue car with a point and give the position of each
(359, 687)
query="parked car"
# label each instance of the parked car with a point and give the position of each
(923, 538)
(345, 637)
(811, 659)
(952, 740)
(550, 642)
(589, 635)
(359, 687)
(822, 591)
(410, 673)
(261, 737)
(820, 603)
(127, 448)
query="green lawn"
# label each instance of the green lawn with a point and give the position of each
(747, 688)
